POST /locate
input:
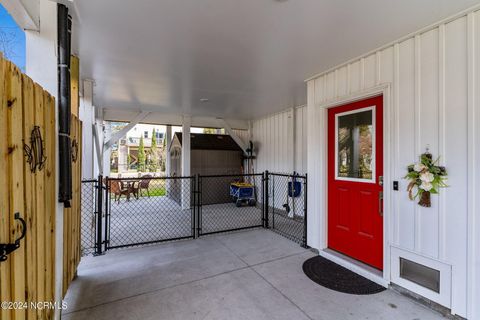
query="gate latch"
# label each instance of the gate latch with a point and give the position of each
(7, 248)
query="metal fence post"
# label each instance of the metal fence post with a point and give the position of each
(98, 245)
(199, 205)
(195, 206)
(265, 197)
(304, 244)
(273, 201)
(107, 212)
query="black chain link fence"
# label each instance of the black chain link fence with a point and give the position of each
(230, 202)
(89, 216)
(147, 210)
(139, 211)
(287, 206)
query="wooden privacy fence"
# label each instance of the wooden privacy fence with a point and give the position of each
(71, 216)
(27, 117)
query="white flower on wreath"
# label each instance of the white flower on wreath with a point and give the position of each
(427, 177)
(427, 186)
(419, 167)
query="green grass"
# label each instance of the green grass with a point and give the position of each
(155, 192)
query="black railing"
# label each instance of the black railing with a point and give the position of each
(122, 212)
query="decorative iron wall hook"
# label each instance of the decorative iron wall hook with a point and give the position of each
(74, 150)
(7, 248)
(35, 151)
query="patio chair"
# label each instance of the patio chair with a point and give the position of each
(118, 190)
(144, 185)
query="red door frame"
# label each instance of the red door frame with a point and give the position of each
(352, 241)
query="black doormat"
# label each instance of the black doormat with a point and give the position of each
(333, 276)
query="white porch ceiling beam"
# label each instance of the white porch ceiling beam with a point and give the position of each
(163, 118)
(118, 135)
(236, 138)
(97, 128)
(26, 13)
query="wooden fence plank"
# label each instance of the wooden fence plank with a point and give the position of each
(75, 84)
(16, 158)
(30, 198)
(50, 203)
(5, 285)
(40, 208)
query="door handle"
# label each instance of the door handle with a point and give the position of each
(7, 248)
(380, 203)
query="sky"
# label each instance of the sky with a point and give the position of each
(12, 39)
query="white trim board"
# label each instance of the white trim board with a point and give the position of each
(323, 142)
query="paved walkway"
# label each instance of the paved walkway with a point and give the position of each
(253, 274)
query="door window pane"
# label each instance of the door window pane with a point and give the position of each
(355, 145)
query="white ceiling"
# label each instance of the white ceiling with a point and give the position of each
(248, 57)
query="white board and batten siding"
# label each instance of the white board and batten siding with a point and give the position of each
(280, 142)
(432, 79)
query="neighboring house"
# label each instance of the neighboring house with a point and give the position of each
(125, 153)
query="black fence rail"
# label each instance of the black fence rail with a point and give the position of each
(148, 210)
(230, 202)
(88, 217)
(286, 205)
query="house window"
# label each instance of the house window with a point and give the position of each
(355, 144)
(145, 134)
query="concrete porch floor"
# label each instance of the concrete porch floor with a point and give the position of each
(253, 274)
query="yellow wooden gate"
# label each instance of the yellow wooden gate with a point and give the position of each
(27, 276)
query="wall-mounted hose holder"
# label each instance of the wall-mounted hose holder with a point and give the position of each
(7, 248)
(35, 151)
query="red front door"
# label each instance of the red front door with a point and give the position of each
(355, 179)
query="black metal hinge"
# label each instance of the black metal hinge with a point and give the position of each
(7, 248)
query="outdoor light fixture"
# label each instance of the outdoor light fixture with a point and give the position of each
(204, 100)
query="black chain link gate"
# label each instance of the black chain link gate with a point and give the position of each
(89, 216)
(148, 210)
(287, 205)
(230, 202)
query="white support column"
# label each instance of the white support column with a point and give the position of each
(87, 116)
(186, 155)
(107, 133)
(168, 160)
